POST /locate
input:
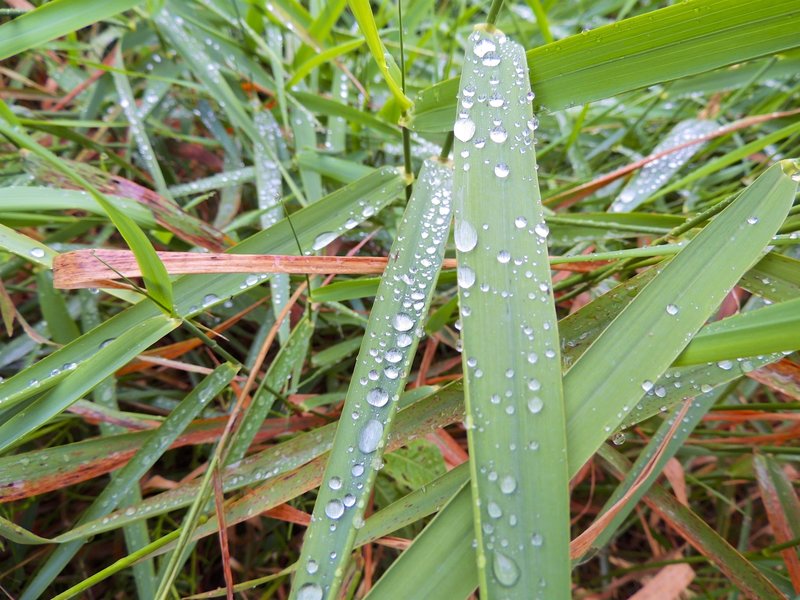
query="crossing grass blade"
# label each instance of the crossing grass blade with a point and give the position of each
(515, 409)
(157, 443)
(693, 37)
(387, 351)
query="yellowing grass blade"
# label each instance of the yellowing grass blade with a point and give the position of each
(515, 410)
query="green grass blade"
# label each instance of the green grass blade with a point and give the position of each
(386, 64)
(54, 19)
(157, 443)
(390, 341)
(604, 384)
(515, 409)
(693, 37)
(154, 274)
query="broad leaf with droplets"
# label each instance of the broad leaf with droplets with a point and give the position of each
(394, 329)
(515, 411)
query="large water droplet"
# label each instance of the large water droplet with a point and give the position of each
(465, 236)
(37, 253)
(465, 276)
(482, 47)
(503, 256)
(491, 60)
(508, 484)
(501, 170)
(542, 230)
(323, 239)
(498, 135)
(370, 436)
(310, 591)
(402, 322)
(464, 129)
(535, 405)
(505, 569)
(335, 483)
(334, 509)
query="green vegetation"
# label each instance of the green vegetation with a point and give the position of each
(532, 324)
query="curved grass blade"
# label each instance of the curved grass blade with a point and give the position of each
(154, 274)
(382, 366)
(656, 173)
(157, 443)
(515, 410)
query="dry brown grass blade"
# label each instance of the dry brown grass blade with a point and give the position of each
(567, 198)
(669, 584)
(782, 376)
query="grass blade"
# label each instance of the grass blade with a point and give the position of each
(515, 409)
(384, 361)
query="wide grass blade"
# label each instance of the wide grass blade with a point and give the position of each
(515, 410)
(382, 366)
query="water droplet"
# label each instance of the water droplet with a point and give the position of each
(483, 47)
(535, 405)
(310, 591)
(503, 257)
(498, 135)
(752, 220)
(357, 470)
(394, 356)
(312, 566)
(491, 60)
(520, 222)
(508, 484)
(464, 129)
(404, 340)
(672, 309)
(505, 569)
(465, 236)
(537, 539)
(349, 500)
(542, 230)
(618, 439)
(494, 510)
(725, 365)
(647, 385)
(334, 509)
(370, 436)
(323, 239)
(37, 253)
(335, 483)
(501, 170)
(465, 276)
(402, 322)
(705, 388)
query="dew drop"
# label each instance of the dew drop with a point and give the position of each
(537, 540)
(312, 566)
(402, 322)
(752, 220)
(357, 470)
(323, 239)
(501, 170)
(310, 591)
(334, 509)
(672, 309)
(335, 483)
(482, 47)
(465, 276)
(491, 60)
(394, 356)
(465, 236)
(618, 439)
(647, 385)
(37, 253)
(542, 230)
(706, 388)
(370, 436)
(503, 257)
(505, 569)
(725, 365)
(498, 135)
(535, 405)
(508, 484)
(464, 129)
(494, 510)
(520, 222)
(404, 340)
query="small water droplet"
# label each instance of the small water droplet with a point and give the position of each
(357, 470)
(501, 170)
(672, 309)
(535, 405)
(725, 365)
(508, 484)
(312, 566)
(618, 439)
(503, 257)
(647, 385)
(752, 220)
(465, 276)
(37, 253)
(335, 483)
(520, 222)
(537, 540)
(541, 229)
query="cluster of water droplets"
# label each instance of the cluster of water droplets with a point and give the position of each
(655, 174)
(396, 325)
